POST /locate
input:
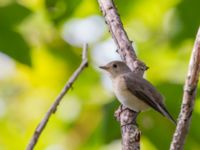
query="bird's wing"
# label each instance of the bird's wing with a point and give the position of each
(145, 91)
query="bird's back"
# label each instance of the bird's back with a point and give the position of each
(146, 92)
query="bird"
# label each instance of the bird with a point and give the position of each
(134, 91)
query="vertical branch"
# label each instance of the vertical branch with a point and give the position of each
(188, 97)
(125, 48)
(130, 131)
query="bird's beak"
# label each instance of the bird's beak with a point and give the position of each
(103, 67)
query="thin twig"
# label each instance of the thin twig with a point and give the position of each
(130, 132)
(54, 106)
(188, 98)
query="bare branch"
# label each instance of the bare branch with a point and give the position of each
(130, 132)
(54, 106)
(125, 48)
(188, 98)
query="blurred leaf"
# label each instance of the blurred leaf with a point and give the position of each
(194, 127)
(89, 80)
(12, 14)
(59, 48)
(188, 12)
(125, 7)
(11, 42)
(172, 93)
(61, 9)
(110, 128)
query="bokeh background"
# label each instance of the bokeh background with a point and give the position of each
(40, 47)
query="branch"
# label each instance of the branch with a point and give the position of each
(188, 98)
(130, 132)
(125, 48)
(54, 106)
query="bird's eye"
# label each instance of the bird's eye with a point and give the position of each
(114, 66)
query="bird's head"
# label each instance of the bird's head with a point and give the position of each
(116, 68)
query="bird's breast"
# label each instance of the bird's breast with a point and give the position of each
(126, 97)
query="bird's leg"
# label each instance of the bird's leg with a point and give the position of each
(128, 117)
(118, 113)
(123, 113)
(134, 117)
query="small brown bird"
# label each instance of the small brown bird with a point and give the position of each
(134, 91)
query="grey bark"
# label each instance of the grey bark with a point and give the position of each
(129, 129)
(188, 98)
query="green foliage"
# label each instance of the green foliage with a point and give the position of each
(188, 12)
(11, 42)
(61, 9)
(109, 124)
(124, 8)
(31, 32)
(11, 15)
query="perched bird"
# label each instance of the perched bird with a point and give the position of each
(134, 91)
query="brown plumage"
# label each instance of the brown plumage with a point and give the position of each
(134, 91)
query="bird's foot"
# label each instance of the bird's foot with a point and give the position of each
(126, 116)
(118, 113)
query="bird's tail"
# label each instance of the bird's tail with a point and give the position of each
(165, 113)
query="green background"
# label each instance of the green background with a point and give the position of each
(40, 47)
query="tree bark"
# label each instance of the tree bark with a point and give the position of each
(188, 98)
(129, 129)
